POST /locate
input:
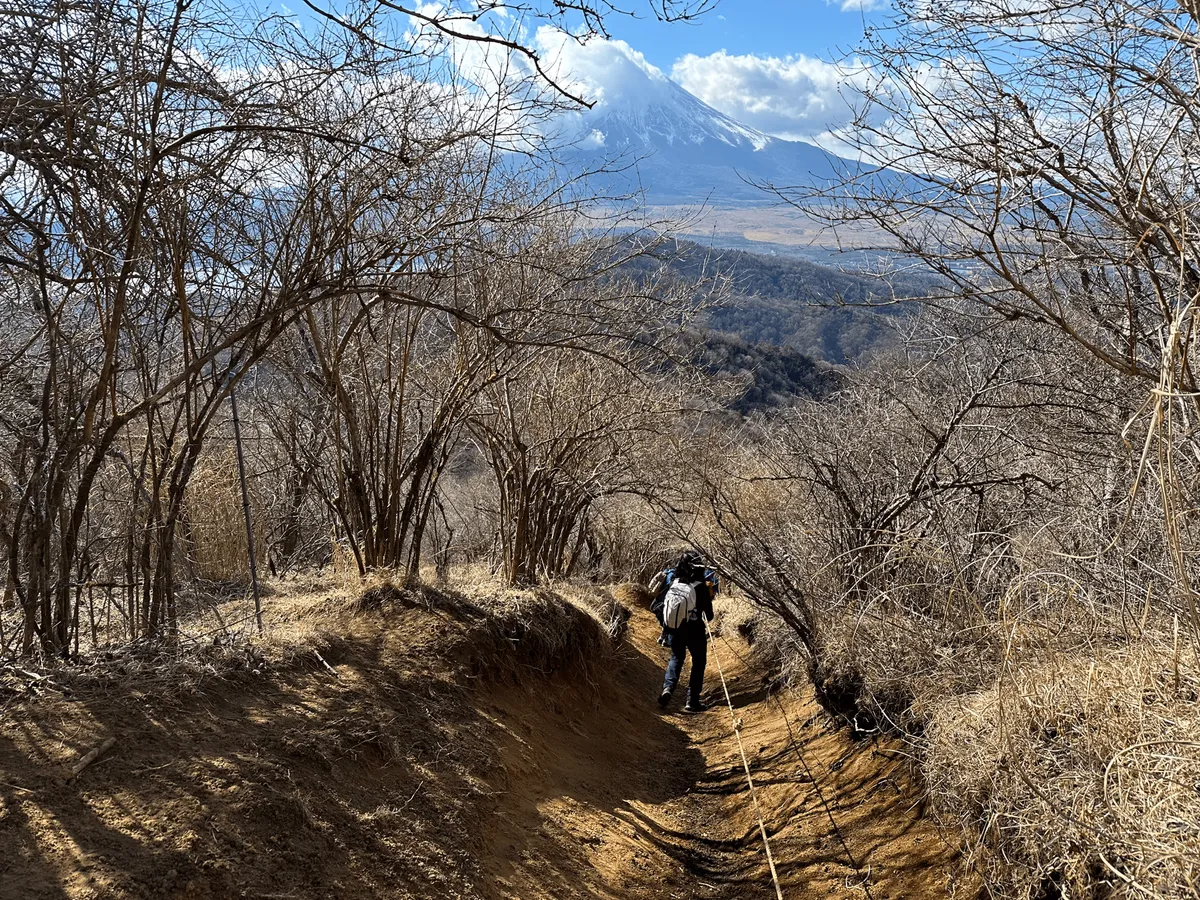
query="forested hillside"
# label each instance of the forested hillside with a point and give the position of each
(824, 312)
(762, 376)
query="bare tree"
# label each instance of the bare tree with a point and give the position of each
(177, 192)
(560, 436)
(1048, 171)
(1043, 162)
(183, 190)
(903, 495)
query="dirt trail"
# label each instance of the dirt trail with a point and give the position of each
(636, 803)
(422, 755)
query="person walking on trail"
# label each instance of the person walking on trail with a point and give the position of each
(682, 596)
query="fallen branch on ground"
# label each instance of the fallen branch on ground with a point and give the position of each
(91, 757)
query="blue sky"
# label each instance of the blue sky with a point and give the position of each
(775, 65)
(777, 28)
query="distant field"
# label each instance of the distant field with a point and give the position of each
(782, 227)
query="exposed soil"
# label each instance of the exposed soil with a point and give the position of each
(427, 766)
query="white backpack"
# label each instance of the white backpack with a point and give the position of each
(679, 603)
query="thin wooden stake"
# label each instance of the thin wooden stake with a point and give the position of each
(1176, 654)
(237, 440)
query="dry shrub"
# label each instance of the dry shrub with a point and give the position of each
(735, 613)
(1081, 775)
(893, 666)
(216, 524)
(1054, 730)
(630, 541)
(1059, 735)
(772, 642)
(612, 613)
(342, 562)
(984, 593)
(465, 533)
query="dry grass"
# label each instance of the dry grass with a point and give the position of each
(1080, 775)
(612, 608)
(511, 633)
(216, 523)
(534, 632)
(496, 633)
(1060, 737)
(1045, 697)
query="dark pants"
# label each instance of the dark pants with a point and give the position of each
(690, 637)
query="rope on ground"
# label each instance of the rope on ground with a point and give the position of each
(866, 877)
(737, 733)
(812, 777)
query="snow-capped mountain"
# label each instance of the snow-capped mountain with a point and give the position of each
(679, 149)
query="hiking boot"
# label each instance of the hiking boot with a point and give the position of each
(695, 706)
(664, 698)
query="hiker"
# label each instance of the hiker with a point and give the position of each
(681, 596)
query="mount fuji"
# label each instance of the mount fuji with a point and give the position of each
(677, 149)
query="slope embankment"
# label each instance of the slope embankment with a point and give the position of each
(427, 745)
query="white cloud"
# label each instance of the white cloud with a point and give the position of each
(796, 97)
(599, 70)
(859, 5)
(593, 141)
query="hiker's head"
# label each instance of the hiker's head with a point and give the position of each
(690, 566)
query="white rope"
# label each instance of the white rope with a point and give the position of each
(737, 733)
(812, 777)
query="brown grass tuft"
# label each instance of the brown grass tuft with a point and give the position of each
(1079, 774)
(633, 595)
(216, 523)
(532, 631)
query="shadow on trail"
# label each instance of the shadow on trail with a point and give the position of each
(416, 769)
(729, 866)
(388, 777)
(589, 756)
(290, 780)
